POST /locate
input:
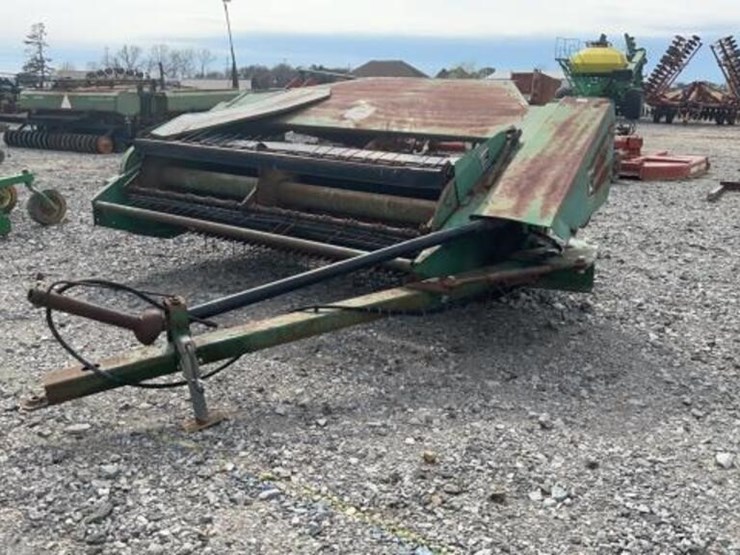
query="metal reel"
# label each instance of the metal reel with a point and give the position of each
(8, 199)
(47, 207)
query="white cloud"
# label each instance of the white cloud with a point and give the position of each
(86, 22)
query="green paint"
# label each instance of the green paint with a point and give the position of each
(548, 182)
(573, 267)
(126, 103)
(115, 192)
(618, 85)
(5, 225)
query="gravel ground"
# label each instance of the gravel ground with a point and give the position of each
(543, 422)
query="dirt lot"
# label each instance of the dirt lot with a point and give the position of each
(550, 422)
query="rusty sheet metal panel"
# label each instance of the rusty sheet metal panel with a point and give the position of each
(248, 107)
(561, 174)
(537, 87)
(458, 109)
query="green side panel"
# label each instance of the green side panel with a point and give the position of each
(562, 172)
(460, 201)
(128, 103)
(4, 224)
(125, 103)
(573, 278)
(463, 255)
(114, 192)
(196, 101)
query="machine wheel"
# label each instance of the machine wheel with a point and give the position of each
(2, 156)
(8, 199)
(44, 212)
(104, 144)
(632, 104)
(670, 116)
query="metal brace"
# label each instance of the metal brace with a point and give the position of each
(178, 333)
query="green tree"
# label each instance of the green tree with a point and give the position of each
(37, 63)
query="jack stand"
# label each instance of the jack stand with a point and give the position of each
(178, 334)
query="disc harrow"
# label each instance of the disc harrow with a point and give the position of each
(727, 54)
(74, 142)
(677, 57)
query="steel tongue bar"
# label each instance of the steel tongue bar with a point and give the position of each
(147, 363)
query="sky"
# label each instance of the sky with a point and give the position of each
(431, 34)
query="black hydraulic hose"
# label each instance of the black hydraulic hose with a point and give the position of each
(280, 287)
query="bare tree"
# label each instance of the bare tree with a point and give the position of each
(129, 57)
(173, 64)
(205, 58)
(187, 63)
(159, 58)
(282, 74)
(37, 63)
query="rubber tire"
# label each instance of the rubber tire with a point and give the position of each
(2, 156)
(670, 116)
(8, 199)
(42, 213)
(632, 104)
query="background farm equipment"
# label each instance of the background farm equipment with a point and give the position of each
(657, 166)
(459, 187)
(10, 90)
(537, 87)
(699, 100)
(724, 187)
(102, 113)
(46, 207)
(600, 70)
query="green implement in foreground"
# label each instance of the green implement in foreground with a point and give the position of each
(459, 187)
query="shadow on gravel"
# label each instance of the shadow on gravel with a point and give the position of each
(488, 361)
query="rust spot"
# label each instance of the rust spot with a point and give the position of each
(544, 176)
(428, 107)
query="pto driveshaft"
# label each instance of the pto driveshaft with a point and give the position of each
(151, 322)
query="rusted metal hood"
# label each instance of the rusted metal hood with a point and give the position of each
(561, 173)
(455, 109)
(462, 109)
(248, 107)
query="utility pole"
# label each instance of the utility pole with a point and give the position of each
(234, 75)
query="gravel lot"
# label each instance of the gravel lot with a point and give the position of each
(538, 423)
